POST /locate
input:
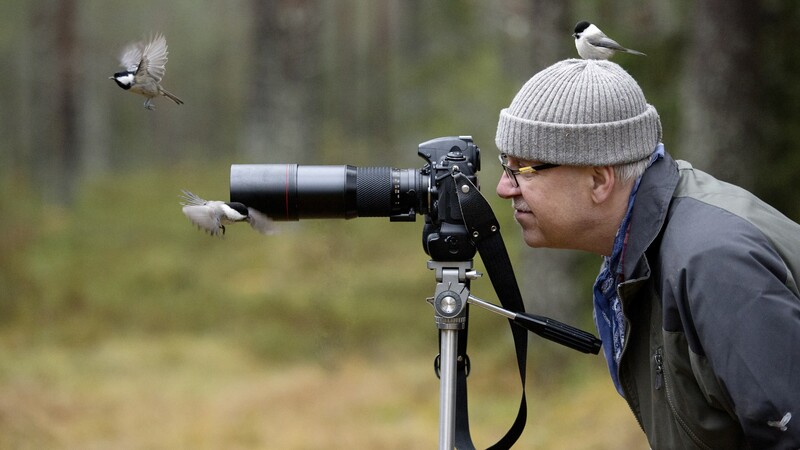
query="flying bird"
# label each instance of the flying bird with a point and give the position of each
(594, 44)
(211, 216)
(144, 68)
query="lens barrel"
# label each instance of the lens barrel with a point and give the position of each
(291, 192)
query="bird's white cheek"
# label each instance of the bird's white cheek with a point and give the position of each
(231, 214)
(127, 79)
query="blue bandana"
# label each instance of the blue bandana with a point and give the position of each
(607, 308)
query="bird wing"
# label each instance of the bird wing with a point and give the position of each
(131, 56)
(200, 213)
(204, 218)
(605, 42)
(191, 199)
(154, 58)
(259, 221)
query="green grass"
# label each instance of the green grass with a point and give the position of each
(190, 391)
(122, 326)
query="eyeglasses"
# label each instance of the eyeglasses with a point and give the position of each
(512, 173)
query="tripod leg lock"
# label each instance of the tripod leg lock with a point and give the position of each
(462, 364)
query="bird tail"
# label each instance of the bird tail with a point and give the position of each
(171, 96)
(191, 199)
(634, 52)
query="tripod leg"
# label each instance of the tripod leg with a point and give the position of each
(450, 304)
(447, 399)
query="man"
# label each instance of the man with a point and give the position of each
(697, 299)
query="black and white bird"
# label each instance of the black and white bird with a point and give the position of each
(212, 215)
(594, 44)
(144, 68)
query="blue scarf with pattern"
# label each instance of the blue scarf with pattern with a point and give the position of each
(607, 308)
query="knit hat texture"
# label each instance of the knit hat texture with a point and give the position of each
(581, 113)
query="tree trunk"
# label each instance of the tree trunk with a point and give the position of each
(283, 117)
(720, 89)
(55, 150)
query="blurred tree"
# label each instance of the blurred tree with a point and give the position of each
(720, 89)
(553, 22)
(94, 104)
(778, 158)
(375, 103)
(54, 109)
(283, 114)
(66, 150)
(358, 52)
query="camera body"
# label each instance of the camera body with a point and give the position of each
(294, 192)
(444, 236)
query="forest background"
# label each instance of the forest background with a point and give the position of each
(121, 326)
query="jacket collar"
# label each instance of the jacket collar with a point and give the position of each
(649, 210)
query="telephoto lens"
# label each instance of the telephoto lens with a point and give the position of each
(292, 192)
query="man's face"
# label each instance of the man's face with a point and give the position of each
(551, 206)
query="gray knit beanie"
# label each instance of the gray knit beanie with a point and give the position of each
(581, 113)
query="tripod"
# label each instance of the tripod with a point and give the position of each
(449, 303)
(450, 307)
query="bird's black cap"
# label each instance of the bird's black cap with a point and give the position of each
(240, 208)
(580, 26)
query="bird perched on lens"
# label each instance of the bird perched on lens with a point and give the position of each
(144, 68)
(212, 215)
(594, 44)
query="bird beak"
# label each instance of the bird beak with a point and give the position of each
(110, 78)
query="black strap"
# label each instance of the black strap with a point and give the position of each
(463, 440)
(485, 230)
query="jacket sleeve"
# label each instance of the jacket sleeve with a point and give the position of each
(746, 321)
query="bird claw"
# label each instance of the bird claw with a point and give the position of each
(148, 104)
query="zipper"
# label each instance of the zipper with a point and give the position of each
(659, 360)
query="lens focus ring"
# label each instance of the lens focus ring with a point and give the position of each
(374, 191)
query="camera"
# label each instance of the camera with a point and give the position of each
(290, 192)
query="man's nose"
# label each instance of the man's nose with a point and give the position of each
(506, 188)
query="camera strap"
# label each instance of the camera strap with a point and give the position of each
(485, 232)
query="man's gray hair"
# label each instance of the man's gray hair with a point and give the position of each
(631, 171)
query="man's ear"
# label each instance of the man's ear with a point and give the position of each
(604, 179)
